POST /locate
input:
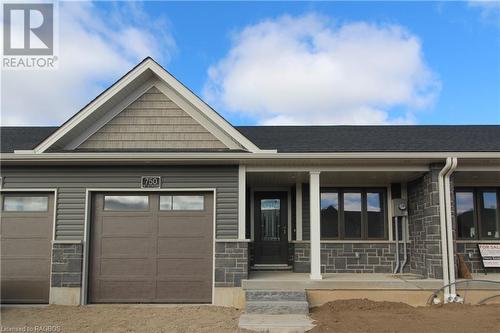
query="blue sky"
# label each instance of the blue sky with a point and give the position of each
(446, 58)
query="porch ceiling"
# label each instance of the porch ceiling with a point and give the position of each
(332, 178)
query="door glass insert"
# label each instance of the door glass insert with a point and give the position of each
(25, 204)
(465, 214)
(270, 219)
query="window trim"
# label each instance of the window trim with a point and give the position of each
(477, 200)
(364, 212)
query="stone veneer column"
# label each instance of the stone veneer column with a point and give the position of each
(66, 277)
(231, 263)
(424, 225)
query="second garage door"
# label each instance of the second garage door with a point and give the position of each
(151, 248)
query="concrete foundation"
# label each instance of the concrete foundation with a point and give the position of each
(65, 296)
(232, 297)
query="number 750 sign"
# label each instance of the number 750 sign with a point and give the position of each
(150, 182)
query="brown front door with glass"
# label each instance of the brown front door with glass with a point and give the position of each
(271, 228)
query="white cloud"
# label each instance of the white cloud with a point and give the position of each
(490, 10)
(306, 70)
(96, 48)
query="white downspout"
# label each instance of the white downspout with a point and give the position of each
(442, 219)
(449, 227)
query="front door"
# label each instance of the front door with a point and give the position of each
(271, 228)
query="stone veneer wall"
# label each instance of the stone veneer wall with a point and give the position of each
(231, 263)
(424, 225)
(67, 261)
(341, 257)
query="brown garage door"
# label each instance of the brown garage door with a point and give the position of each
(151, 248)
(26, 231)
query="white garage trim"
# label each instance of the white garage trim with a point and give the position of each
(86, 236)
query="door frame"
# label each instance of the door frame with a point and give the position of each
(88, 217)
(287, 192)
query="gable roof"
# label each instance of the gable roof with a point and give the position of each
(131, 86)
(304, 139)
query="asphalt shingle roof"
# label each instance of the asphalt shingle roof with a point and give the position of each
(436, 138)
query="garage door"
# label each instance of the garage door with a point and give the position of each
(26, 232)
(151, 248)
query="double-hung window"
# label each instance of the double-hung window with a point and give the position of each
(477, 212)
(353, 214)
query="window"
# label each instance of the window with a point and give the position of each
(182, 202)
(330, 215)
(126, 202)
(353, 214)
(477, 212)
(25, 204)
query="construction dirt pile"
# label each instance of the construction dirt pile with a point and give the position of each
(361, 315)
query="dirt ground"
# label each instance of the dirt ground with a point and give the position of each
(351, 316)
(122, 318)
(356, 316)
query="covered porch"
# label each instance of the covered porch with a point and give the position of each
(314, 221)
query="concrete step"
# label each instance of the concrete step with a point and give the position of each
(277, 307)
(276, 295)
(276, 323)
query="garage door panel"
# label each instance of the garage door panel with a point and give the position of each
(183, 267)
(129, 247)
(22, 267)
(121, 267)
(181, 291)
(127, 290)
(185, 227)
(24, 291)
(183, 247)
(127, 225)
(25, 246)
(20, 226)
(25, 250)
(154, 256)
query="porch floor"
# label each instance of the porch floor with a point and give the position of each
(300, 281)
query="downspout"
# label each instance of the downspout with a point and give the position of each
(442, 219)
(404, 222)
(446, 228)
(396, 226)
(449, 227)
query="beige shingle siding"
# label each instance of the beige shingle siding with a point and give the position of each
(152, 121)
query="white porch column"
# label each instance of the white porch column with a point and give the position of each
(298, 211)
(314, 189)
(242, 190)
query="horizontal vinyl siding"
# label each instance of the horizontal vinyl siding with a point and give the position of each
(72, 183)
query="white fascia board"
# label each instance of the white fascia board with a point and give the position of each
(92, 107)
(137, 156)
(169, 80)
(203, 107)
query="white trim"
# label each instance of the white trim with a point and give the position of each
(315, 225)
(54, 219)
(232, 240)
(199, 117)
(127, 156)
(242, 189)
(298, 211)
(252, 214)
(479, 168)
(86, 236)
(109, 116)
(357, 241)
(149, 64)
